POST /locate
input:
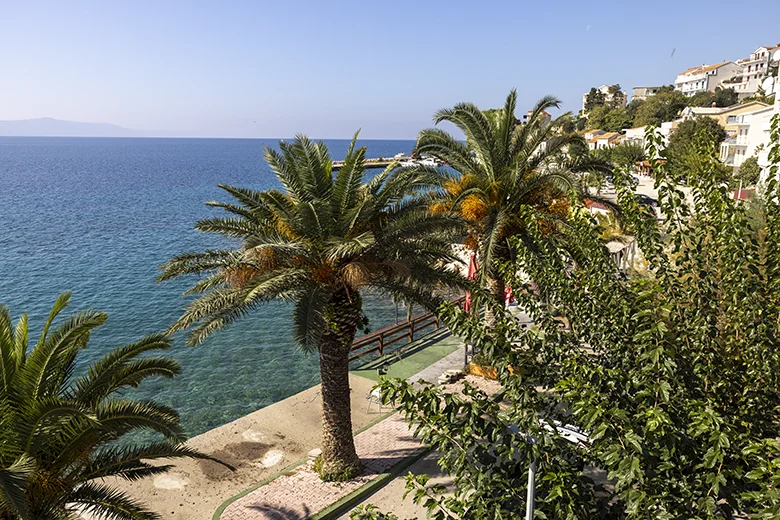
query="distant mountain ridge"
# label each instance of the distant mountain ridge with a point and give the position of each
(50, 127)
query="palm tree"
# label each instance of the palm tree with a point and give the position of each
(628, 155)
(319, 243)
(59, 433)
(505, 172)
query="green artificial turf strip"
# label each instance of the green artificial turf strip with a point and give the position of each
(414, 359)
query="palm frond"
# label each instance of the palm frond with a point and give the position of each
(106, 503)
(308, 321)
(51, 361)
(13, 485)
(119, 416)
(120, 368)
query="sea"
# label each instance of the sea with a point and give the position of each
(97, 216)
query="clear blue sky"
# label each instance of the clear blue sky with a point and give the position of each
(275, 68)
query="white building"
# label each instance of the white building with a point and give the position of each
(642, 93)
(609, 98)
(637, 135)
(590, 134)
(604, 140)
(765, 131)
(754, 69)
(705, 78)
(544, 117)
(752, 136)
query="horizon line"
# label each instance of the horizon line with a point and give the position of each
(206, 137)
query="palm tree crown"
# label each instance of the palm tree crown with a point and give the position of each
(504, 171)
(318, 243)
(59, 433)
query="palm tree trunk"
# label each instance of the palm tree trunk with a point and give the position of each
(495, 285)
(339, 458)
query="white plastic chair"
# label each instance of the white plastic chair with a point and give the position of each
(374, 397)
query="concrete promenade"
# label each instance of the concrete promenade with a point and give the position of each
(301, 494)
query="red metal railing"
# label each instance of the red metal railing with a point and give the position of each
(378, 340)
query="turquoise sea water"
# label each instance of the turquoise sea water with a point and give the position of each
(96, 216)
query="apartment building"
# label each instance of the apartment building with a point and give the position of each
(705, 78)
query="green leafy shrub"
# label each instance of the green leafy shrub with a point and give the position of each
(675, 378)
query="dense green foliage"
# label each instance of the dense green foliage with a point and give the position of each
(663, 106)
(59, 433)
(689, 141)
(747, 174)
(319, 243)
(610, 119)
(674, 377)
(688, 131)
(721, 98)
(594, 98)
(761, 95)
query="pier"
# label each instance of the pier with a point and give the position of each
(401, 159)
(380, 162)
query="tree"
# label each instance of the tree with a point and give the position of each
(721, 98)
(617, 119)
(597, 118)
(633, 107)
(701, 99)
(665, 105)
(59, 433)
(687, 131)
(747, 174)
(618, 98)
(320, 243)
(501, 170)
(689, 141)
(594, 98)
(725, 97)
(627, 155)
(674, 378)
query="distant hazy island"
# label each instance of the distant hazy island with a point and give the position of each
(47, 126)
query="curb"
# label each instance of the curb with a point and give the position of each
(349, 501)
(224, 505)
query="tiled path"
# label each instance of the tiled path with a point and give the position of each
(302, 494)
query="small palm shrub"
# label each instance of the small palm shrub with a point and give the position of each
(60, 433)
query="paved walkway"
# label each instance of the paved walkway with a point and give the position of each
(299, 495)
(302, 494)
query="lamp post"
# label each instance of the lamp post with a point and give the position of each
(531, 494)
(568, 433)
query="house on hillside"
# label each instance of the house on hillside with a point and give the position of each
(762, 131)
(752, 132)
(752, 135)
(545, 118)
(590, 134)
(604, 140)
(637, 135)
(754, 70)
(726, 116)
(642, 93)
(705, 78)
